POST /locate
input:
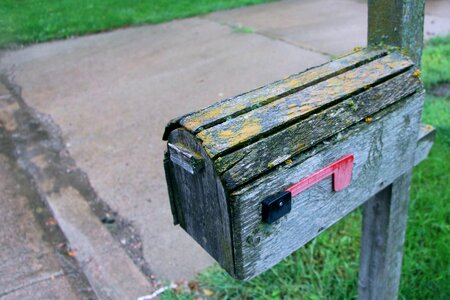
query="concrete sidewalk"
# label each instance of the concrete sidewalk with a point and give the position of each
(111, 94)
(29, 266)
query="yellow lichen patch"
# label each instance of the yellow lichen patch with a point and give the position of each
(299, 147)
(368, 120)
(293, 83)
(278, 102)
(417, 73)
(212, 114)
(404, 51)
(356, 49)
(229, 137)
(333, 82)
(295, 110)
(226, 134)
(313, 74)
(193, 124)
(342, 84)
(258, 99)
(305, 77)
(291, 113)
(203, 117)
(392, 65)
(306, 108)
(251, 127)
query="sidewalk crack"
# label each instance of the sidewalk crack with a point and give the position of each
(38, 280)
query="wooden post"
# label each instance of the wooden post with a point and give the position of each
(384, 224)
(396, 23)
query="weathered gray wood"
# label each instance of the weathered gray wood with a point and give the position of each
(397, 23)
(170, 187)
(427, 135)
(179, 155)
(383, 149)
(249, 162)
(232, 107)
(200, 201)
(383, 236)
(384, 223)
(280, 113)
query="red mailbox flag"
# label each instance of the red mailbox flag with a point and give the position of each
(341, 171)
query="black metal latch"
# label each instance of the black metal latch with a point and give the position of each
(276, 206)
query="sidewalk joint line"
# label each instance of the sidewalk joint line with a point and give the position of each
(268, 36)
(37, 281)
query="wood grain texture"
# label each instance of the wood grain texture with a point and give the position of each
(383, 236)
(280, 113)
(170, 188)
(397, 23)
(232, 107)
(427, 135)
(251, 161)
(201, 205)
(383, 149)
(383, 227)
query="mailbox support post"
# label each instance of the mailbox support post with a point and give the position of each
(396, 23)
(384, 225)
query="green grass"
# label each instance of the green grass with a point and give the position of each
(327, 267)
(436, 62)
(30, 21)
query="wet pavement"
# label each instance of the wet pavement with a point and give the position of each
(30, 267)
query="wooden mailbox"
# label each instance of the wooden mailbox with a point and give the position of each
(254, 177)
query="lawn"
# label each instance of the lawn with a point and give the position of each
(31, 21)
(327, 267)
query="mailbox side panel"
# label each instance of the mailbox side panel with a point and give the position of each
(383, 150)
(198, 200)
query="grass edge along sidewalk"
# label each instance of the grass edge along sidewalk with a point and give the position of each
(327, 267)
(33, 21)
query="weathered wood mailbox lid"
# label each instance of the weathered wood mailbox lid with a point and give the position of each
(254, 177)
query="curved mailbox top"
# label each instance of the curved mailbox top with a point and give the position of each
(251, 133)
